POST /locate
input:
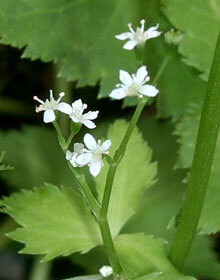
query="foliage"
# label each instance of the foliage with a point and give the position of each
(93, 54)
(48, 229)
(4, 167)
(158, 205)
(134, 175)
(140, 254)
(187, 131)
(161, 202)
(34, 152)
(200, 25)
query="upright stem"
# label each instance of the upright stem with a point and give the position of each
(103, 221)
(117, 157)
(201, 166)
(62, 85)
(86, 192)
(39, 270)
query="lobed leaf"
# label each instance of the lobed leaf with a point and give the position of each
(54, 222)
(36, 156)
(199, 20)
(160, 203)
(80, 36)
(134, 175)
(140, 254)
(4, 167)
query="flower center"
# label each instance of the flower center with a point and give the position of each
(139, 35)
(97, 154)
(50, 104)
(133, 89)
(78, 114)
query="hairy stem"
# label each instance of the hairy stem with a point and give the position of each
(201, 166)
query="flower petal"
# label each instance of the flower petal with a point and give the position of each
(141, 75)
(78, 148)
(118, 93)
(77, 105)
(105, 145)
(149, 90)
(95, 168)
(152, 32)
(123, 36)
(84, 159)
(91, 115)
(89, 124)
(130, 45)
(68, 155)
(73, 162)
(73, 118)
(90, 141)
(64, 108)
(125, 78)
(49, 116)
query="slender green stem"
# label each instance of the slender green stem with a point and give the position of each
(40, 271)
(62, 85)
(103, 222)
(201, 166)
(86, 192)
(109, 245)
(79, 179)
(117, 157)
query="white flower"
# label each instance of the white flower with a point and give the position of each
(49, 106)
(106, 270)
(78, 149)
(134, 85)
(93, 156)
(75, 112)
(139, 36)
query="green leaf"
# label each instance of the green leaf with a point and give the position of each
(4, 167)
(179, 84)
(36, 156)
(78, 33)
(53, 222)
(200, 25)
(187, 131)
(161, 202)
(140, 254)
(87, 277)
(160, 276)
(134, 175)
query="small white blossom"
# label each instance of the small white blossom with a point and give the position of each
(106, 270)
(78, 149)
(93, 156)
(134, 85)
(75, 112)
(50, 105)
(140, 36)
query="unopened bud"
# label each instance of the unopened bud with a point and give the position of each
(173, 37)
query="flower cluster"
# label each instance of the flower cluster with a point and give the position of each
(91, 155)
(91, 152)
